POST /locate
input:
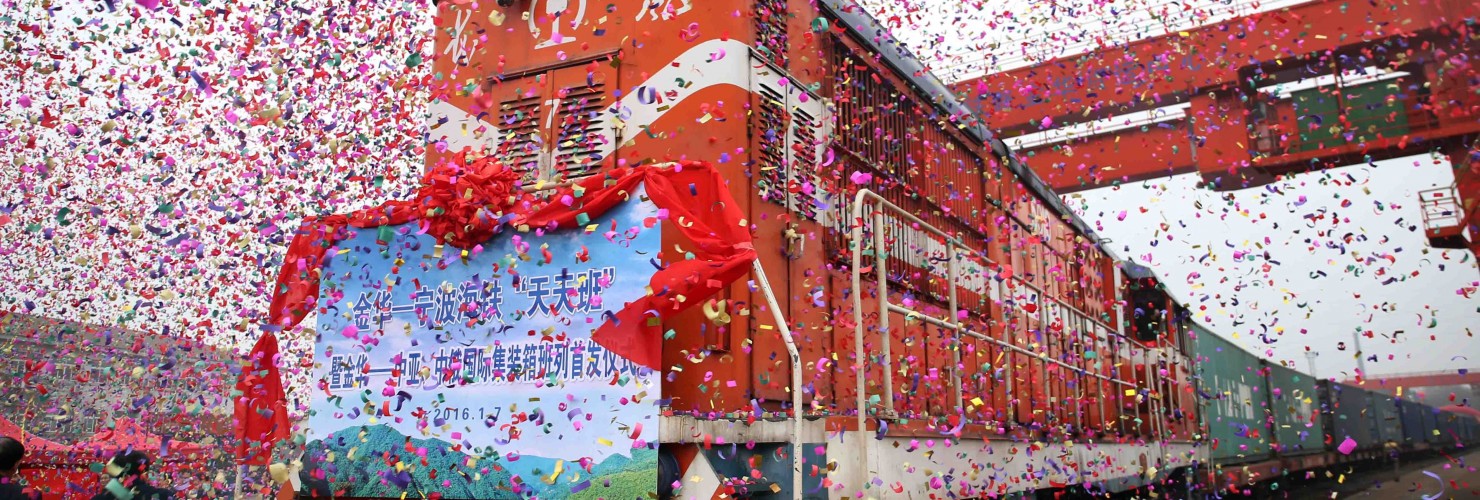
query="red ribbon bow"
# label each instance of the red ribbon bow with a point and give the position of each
(462, 203)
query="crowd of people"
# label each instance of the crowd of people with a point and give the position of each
(11, 454)
(126, 473)
(126, 476)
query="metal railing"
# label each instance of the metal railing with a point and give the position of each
(1441, 208)
(784, 330)
(1067, 315)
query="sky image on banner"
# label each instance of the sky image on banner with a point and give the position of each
(479, 379)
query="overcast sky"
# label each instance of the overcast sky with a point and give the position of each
(1305, 263)
(162, 199)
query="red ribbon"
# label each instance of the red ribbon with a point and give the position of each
(462, 204)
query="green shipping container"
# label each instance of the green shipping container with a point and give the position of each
(1372, 111)
(1296, 404)
(1234, 397)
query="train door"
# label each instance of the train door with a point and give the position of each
(789, 130)
(810, 198)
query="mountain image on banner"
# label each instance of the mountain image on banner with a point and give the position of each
(434, 465)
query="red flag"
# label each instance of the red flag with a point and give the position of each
(261, 404)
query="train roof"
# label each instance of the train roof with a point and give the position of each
(866, 30)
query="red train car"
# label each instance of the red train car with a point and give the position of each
(958, 329)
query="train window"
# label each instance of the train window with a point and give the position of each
(556, 125)
(1148, 311)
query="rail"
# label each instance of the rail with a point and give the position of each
(784, 329)
(1068, 315)
(1441, 208)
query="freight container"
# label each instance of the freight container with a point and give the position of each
(1236, 399)
(1430, 425)
(1461, 424)
(1293, 401)
(1449, 433)
(1411, 416)
(1348, 410)
(1385, 414)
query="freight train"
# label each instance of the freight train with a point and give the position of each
(1267, 422)
(957, 330)
(954, 329)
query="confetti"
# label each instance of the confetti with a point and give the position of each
(452, 247)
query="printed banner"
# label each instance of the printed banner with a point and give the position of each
(474, 375)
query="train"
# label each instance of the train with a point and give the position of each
(959, 331)
(1266, 422)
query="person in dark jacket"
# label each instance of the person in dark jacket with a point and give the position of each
(11, 453)
(126, 479)
(313, 487)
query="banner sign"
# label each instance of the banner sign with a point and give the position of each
(472, 373)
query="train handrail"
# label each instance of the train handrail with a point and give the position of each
(796, 376)
(861, 201)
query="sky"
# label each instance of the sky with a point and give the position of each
(1306, 262)
(162, 199)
